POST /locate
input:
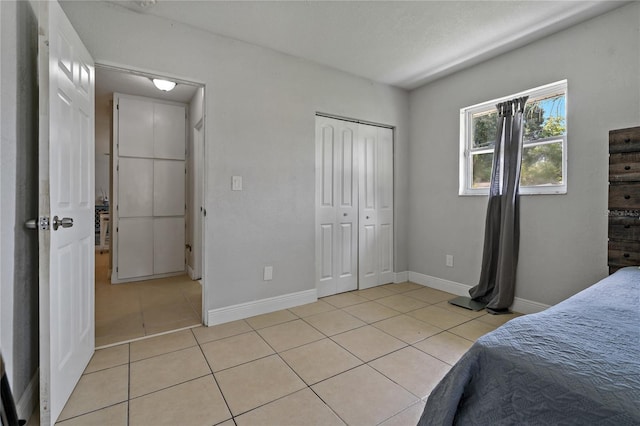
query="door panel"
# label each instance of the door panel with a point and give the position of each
(135, 128)
(66, 149)
(168, 244)
(168, 188)
(136, 197)
(336, 212)
(135, 247)
(169, 125)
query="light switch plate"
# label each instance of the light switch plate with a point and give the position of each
(268, 273)
(236, 183)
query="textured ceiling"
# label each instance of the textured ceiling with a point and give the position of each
(402, 43)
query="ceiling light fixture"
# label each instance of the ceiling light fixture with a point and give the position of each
(164, 85)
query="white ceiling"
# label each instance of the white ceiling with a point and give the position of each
(401, 43)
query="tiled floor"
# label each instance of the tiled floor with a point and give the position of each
(361, 358)
(138, 309)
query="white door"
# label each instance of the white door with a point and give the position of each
(336, 206)
(66, 194)
(376, 206)
(197, 204)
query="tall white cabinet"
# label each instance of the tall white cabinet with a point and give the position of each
(148, 188)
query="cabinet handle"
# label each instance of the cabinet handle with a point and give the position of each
(627, 226)
(627, 140)
(627, 167)
(626, 197)
(626, 255)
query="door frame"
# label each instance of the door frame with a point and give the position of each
(393, 135)
(129, 69)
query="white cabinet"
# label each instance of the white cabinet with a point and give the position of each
(149, 188)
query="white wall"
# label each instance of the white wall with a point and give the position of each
(563, 246)
(260, 125)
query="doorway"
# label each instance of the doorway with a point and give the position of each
(354, 205)
(128, 311)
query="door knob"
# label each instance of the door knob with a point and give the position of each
(65, 222)
(344, 214)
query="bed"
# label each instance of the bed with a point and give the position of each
(577, 362)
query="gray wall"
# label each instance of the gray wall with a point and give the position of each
(260, 108)
(563, 246)
(19, 193)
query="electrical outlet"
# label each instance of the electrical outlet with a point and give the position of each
(449, 260)
(236, 183)
(268, 273)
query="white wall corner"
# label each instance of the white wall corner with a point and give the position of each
(259, 307)
(520, 305)
(29, 399)
(400, 277)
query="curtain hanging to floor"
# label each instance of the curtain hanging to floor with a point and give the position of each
(496, 286)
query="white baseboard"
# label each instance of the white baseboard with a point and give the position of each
(29, 399)
(400, 277)
(523, 306)
(258, 307)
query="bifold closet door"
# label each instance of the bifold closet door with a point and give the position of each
(336, 206)
(375, 206)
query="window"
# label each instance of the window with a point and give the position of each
(544, 151)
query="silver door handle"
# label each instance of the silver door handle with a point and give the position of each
(31, 224)
(41, 223)
(65, 222)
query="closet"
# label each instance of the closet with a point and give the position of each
(354, 205)
(148, 188)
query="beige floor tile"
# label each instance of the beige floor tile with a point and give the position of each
(334, 322)
(430, 295)
(445, 346)
(375, 293)
(407, 329)
(168, 312)
(410, 416)
(363, 396)
(441, 318)
(116, 415)
(371, 312)
(462, 311)
(251, 385)
(498, 320)
(198, 402)
(162, 344)
(273, 318)
(300, 408)
(235, 350)
(227, 423)
(312, 309)
(319, 360)
(217, 332)
(343, 300)
(368, 342)
(162, 371)
(125, 327)
(108, 357)
(412, 369)
(402, 287)
(97, 390)
(472, 330)
(402, 303)
(290, 335)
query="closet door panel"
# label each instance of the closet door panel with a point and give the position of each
(168, 245)
(168, 188)
(135, 128)
(135, 247)
(135, 194)
(169, 128)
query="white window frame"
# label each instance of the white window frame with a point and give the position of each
(466, 143)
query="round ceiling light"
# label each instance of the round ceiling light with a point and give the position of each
(164, 85)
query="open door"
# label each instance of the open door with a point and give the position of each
(66, 209)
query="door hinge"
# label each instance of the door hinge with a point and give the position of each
(117, 229)
(118, 107)
(116, 269)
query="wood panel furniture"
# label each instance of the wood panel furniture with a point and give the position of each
(624, 198)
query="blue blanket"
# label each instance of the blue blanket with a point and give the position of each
(575, 363)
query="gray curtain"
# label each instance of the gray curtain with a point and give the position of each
(502, 227)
